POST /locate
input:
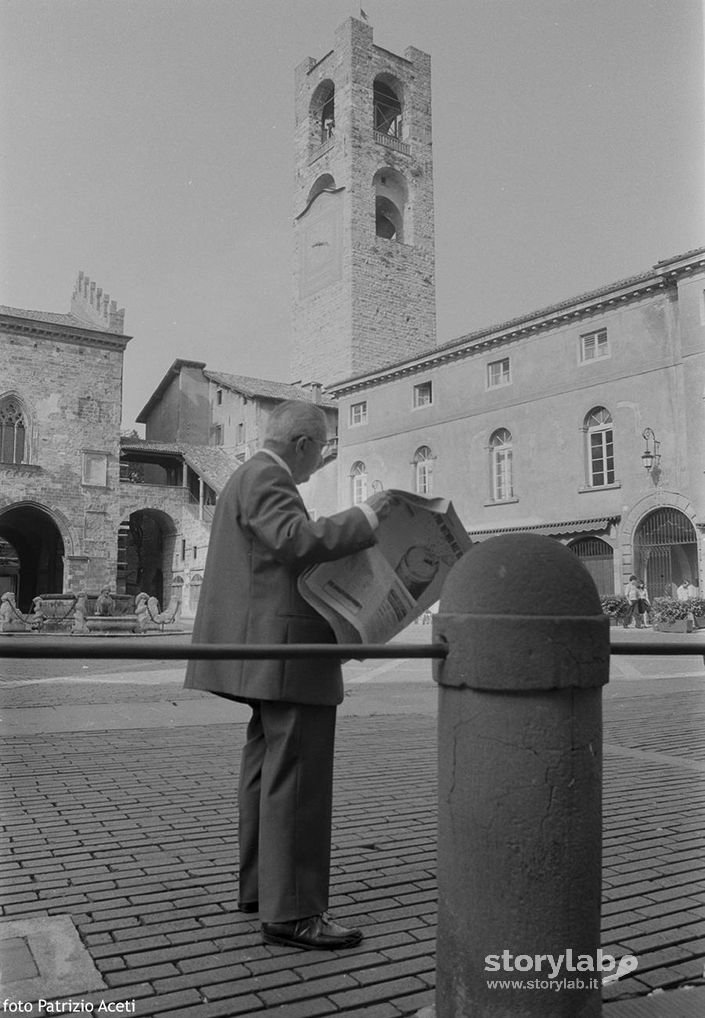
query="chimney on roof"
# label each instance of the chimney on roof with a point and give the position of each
(316, 390)
(95, 308)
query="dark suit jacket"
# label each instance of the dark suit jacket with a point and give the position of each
(261, 539)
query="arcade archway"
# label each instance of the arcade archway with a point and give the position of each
(33, 553)
(666, 551)
(145, 553)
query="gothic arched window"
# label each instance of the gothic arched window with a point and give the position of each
(501, 469)
(13, 431)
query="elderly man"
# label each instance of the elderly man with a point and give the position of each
(261, 540)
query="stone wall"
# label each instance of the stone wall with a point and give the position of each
(69, 383)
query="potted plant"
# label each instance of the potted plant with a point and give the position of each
(671, 615)
(615, 606)
(697, 608)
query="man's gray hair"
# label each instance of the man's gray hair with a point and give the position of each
(293, 418)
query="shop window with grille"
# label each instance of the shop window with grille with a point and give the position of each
(598, 558)
(666, 551)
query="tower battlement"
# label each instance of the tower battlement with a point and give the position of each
(95, 308)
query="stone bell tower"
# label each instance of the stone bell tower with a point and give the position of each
(364, 286)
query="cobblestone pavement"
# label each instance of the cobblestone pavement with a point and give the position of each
(128, 829)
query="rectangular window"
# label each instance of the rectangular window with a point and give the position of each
(498, 373)
(502, 474)
(218, 434)
(593, 345)
(423, 394)
(219, 397)
(183, 550)
(358, 413)
(601, 458)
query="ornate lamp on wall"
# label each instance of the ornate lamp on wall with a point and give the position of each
(651, 456)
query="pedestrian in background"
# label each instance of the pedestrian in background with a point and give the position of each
(631, 592)
(643, 603)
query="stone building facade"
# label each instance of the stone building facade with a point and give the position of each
(60, 410)
(200, 425)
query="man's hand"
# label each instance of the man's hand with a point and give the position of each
(382, 503)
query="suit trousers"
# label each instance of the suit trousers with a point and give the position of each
(285, 809)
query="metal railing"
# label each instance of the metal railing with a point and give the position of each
(21, 645)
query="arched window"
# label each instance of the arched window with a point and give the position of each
(322, 113)
(387, 108)
(388, 219)
(501, 473)
(600, 447)
(13, 431)
(391, 198)
(423, 471)
(358, 476)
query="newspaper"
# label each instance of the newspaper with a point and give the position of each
(372, 595)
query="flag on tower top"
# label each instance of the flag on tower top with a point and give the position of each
(363, 15)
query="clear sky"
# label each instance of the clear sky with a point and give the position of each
(149, 144)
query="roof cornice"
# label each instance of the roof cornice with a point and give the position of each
(72, 334)
(664, 275)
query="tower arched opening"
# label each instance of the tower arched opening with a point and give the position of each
(388, 106)
(391, 198)
(322, 113)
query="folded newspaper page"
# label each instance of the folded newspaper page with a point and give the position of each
(372, 595)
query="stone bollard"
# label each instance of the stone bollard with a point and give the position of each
(520, 781)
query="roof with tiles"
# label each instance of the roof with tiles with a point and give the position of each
(260, 387)
(214, 463)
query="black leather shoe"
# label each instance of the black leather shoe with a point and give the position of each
(316, 933)
(248, 906)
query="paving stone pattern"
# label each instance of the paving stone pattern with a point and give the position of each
(132, 834)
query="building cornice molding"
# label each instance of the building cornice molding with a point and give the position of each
(664, 275)
(55, 332)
